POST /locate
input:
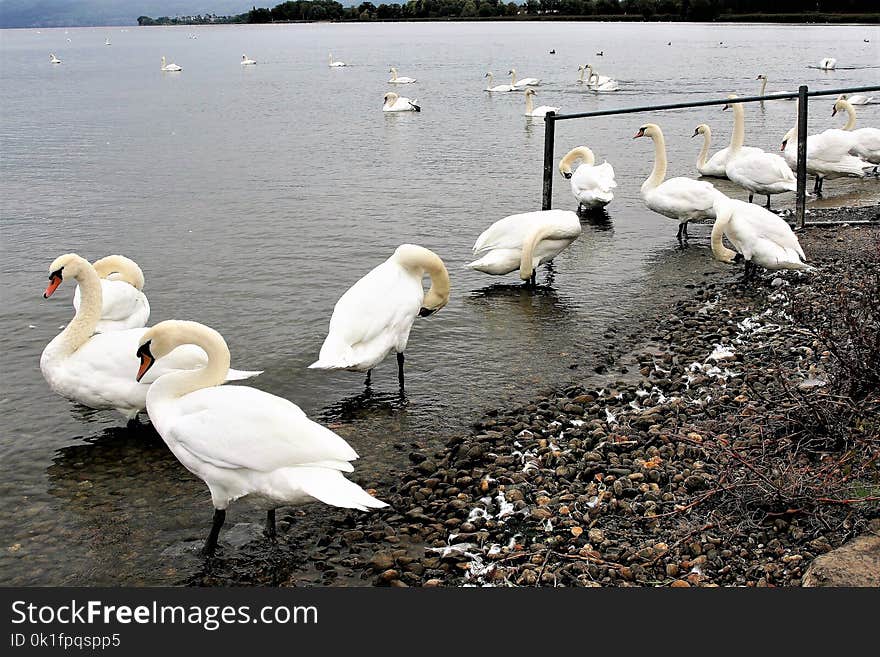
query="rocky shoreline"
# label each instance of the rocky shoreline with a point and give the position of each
(723, 444)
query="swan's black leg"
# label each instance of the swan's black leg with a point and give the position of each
(768, 201)
(211, 541)
(534, 278)
(686, 236)
(271, 532)
(751, 196)
(678, 235)
(369, 374)
(400, 360)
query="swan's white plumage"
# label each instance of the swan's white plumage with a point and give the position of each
(828, 154)
(761, 173)
(247, 61)
(498, 88)
(398, 79)
(522, 84)
(591, 184)
(395, 103)
(123, 306)
(170, 68)
(827, 63)
(866, 143)
(761, 236)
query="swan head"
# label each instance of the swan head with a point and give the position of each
(788, 135)
(70, 265)
(530, 92)
(488, 75)
(723, 212)
(419, 260)
(580, 153)
(511, 71)
(761, 77)
(651, 130)
(701, 129)
(729, 105)
(390, 97)
(840, 105)
(156, 342)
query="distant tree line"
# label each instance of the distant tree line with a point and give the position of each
(206, 19)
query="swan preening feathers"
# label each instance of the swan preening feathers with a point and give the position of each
(239, 440)
(590, 184)
(394, 103)
(374, 317)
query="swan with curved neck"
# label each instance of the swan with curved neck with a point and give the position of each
(500, 88)
(124, 305)
(239, 440)
(336, 64)
(172, 68)
(394, 103)
(590, 184)
(536, 112)
(763, 79)
(521, 84)
(753, 169)
(375, 316)
(858, 99)
(716, 165)
(867, 144)
(247, 61)
(53, 59)
(399, 80)
(681, 199)
(581, 70)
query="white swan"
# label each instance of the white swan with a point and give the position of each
(242, 441)
(681, 199)
(858, 99)
(581, 70)
(374, 317)
(610, 85)
(96, 369)
(827, 63)
(867, 144)
(590, 184)
(525, 241)
(53, 59)
(537, 112)
(599, 79)
(395, 79)
(753, 169)
(828, 155)
(763, 91)
(170, 68)
(715, 166)
(522, 84)
(394, 103)
(336, 64)
(247, 61)
(499, 88)
(124, 305)
(761, 237)
(107, 41)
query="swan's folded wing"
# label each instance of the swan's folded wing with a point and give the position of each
(509, 232)
(239, 427)
(683, 195)
(763, 168)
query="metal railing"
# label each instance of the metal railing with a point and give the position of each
(801, 171)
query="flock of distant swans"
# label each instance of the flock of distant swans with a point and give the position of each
(245, 442)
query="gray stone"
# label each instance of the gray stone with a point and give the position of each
(857, 563)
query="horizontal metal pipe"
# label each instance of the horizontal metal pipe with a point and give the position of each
(706, 103)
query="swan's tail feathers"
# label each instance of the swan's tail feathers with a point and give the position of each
(335, 354)
(415, 105)
(331, 487)
(238, 375)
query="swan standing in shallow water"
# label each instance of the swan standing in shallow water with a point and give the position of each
(239, 440)
(715, 166)
(336, 64)
(399, 80)
(53, 59)
(499, 88)
(827, 63)
(394, 103)
(246, 61)
(374, 317)
(763, 79)
(761, 237)
(753, 169)
(525, 241)
(590, 184)
(96, 369)
(536, 112)
(124, 305)
(521, 84)
(867, 144)
(681, 199)
(171, 68)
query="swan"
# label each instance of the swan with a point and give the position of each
(522, 84)
(753, 169)
(375, 315)
(600, 79)
(246, 61)
(336, 64)
(682, 199)
(539, 111)
(763, 79)
(581, 70)
(239, 440)
(395, 103)
(608, 85)
(827, 63)
(590, 184)
(499, 88)
(524, 241)
(857, 99)
(399, 80)
(170, 67)
(124, 305)
(867, 139)
(107, 41)
(828, 155)
(716, 164)
(761, 237)
(53, 59)
(96, 369)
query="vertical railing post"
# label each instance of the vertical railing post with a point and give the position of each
(801, 206)
(549, 136)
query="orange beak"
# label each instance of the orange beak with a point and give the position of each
(54, 282)
(146, 363)
(640, 133)
(782, 148)
(834, 111)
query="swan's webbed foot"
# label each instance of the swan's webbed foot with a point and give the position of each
(211, 542)
(271, 532)
(400, 360)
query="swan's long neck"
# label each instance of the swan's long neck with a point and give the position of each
(126, 269)
(420, 261)
(489, 84)
(528, 249)
(704, 152)
(512, 76)
(183, 382)
(763, 85)
(851, 115)
(582, 153)
(83, 324)
(659, 171)
(719, 251)
(737, 139)
(330, 57)
(529, 106)
(393, 73)
(581, 74)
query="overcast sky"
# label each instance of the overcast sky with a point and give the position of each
(67, 13)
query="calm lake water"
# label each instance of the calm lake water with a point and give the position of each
(253, 197)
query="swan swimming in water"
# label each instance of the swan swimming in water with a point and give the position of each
(763, 92)
(590, 184)
(336, 64)
(524, 241)
(522, 84)
(247, 61)
(867, 144)
(499, 88)
(375, 316)
(124, 305)
(537, 112)
(399, 80)
(242, 442)
(171, 68)
(827, 63)
(95, 369)
(857, 99)
(394, 103)
(53, 59)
